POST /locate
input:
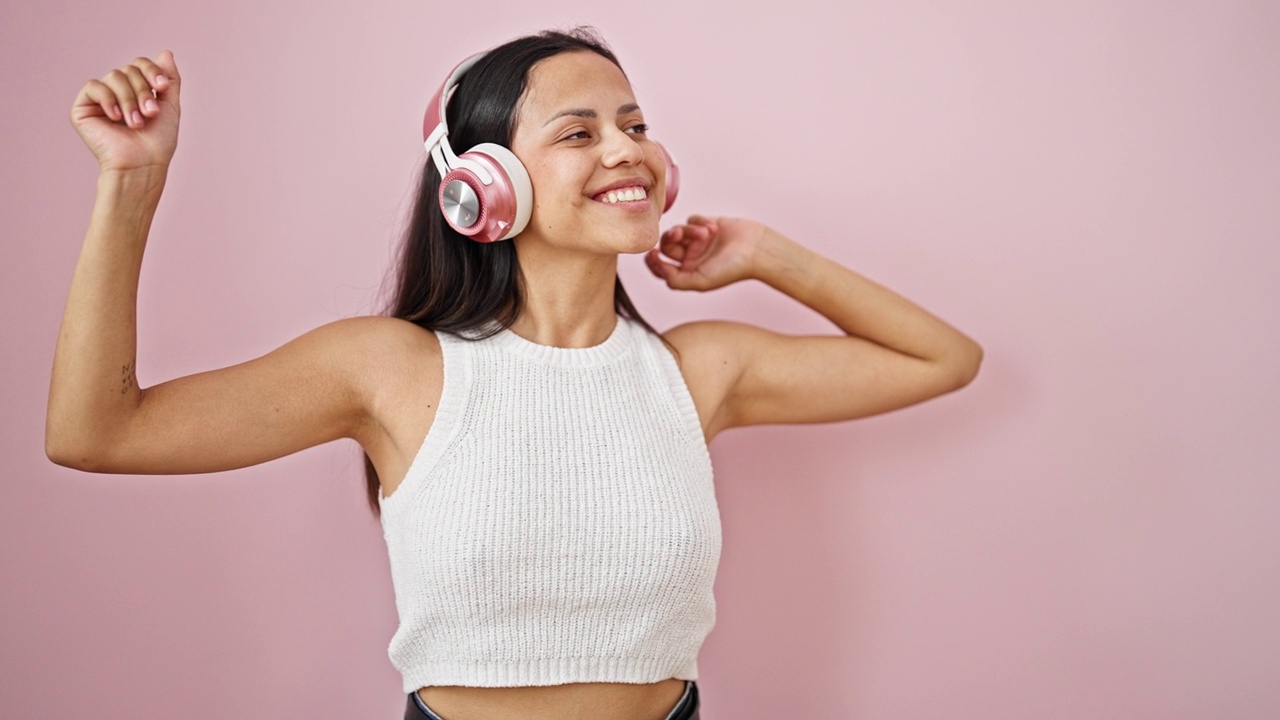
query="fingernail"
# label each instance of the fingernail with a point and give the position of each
(161, 79)
(137, 117)
(115, 111)
(149, 104)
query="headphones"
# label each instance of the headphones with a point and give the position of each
(485, 192)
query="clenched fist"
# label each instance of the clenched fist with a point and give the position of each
(129, 117)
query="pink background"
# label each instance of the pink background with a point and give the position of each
(1088, 189)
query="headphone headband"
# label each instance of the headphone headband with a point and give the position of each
(435, 128)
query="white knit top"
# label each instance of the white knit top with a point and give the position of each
(559, 523)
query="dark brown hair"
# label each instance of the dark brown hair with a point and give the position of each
(445, 281)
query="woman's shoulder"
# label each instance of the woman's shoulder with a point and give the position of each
(709, 354)
(364, 338)
(383, 354)
(711, 340)
(358, 343)
(713, 351)
(394, 369)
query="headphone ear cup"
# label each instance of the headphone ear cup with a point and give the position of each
(489, 212)
(518, 187)
(673, 179)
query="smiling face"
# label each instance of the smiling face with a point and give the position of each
(598, 181)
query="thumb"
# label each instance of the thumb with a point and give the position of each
(169, 67)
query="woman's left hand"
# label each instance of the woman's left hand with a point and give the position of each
(708, 252)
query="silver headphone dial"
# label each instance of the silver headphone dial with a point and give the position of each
(460, 204)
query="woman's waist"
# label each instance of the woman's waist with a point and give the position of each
(570, 701)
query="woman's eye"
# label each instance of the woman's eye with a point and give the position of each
(580, 135)
(640, 129)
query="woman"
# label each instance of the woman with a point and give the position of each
(537, 451)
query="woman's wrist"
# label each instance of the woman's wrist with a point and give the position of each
(145, 180)
(134, 192)
(781, 262)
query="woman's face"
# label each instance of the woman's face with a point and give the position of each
(580, 134)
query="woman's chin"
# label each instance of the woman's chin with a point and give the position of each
(637, 240)
(640, 246)
(632, 240)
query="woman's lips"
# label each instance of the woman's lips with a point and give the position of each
(624, 195)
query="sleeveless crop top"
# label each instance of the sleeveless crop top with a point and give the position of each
(559, 522)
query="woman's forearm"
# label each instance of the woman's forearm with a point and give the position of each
(93, 388)
(858, 305)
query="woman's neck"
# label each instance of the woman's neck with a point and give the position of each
(568, 298)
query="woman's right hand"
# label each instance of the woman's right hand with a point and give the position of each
(123, 123)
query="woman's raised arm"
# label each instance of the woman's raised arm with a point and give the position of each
(305, 393)
(893, 353)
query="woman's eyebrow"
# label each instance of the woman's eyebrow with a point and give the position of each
(589, 113)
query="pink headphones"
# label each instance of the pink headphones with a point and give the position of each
(485, 192)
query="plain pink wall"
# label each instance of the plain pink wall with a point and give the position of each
(1088, 189)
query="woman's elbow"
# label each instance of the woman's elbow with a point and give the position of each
(64, 450)
(966, 365)
(974, 364)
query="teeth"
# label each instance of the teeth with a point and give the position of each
(630, 194)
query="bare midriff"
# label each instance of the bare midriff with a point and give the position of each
(575, 701)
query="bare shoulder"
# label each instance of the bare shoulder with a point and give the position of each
(386, 359)
(370, 339)
(715, 336)
(386, 332)
(712, 355)
(398, 370)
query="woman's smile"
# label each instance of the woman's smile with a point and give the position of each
(624, 195)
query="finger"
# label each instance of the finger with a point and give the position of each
(170, 82)
(711, 225)
(696, 241)
(657, 266)
(147, 82)
(169, 67)
(677, 277)
(672, 242)
(695, 249)
(96, 99)
(673, 248)
(126, 97)
(142, 92)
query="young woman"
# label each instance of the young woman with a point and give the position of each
(538, 453)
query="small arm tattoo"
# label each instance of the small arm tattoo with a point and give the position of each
(128, 380)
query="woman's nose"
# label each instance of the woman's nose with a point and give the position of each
(621, 148)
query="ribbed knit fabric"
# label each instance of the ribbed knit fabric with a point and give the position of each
(559, 522)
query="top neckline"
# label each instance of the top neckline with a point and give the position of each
(613, 347)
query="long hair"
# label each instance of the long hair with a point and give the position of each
(444, 280)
